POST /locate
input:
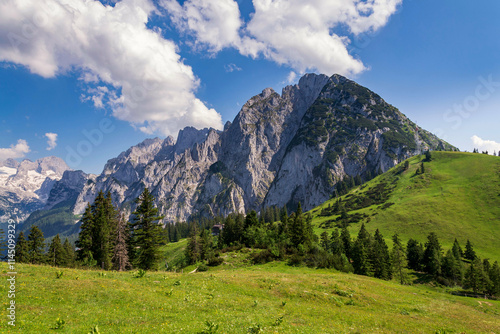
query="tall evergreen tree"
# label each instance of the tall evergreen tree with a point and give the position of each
(432, 255)
(85, 237)
(69, 254)
(457, 250)
(475, 276)
(380, 257)
(22, 249)
(336, 244)
(55, 256)
(120, 254)
(495, 278)
(469, 253)
(398, 260)
(452, 268)
(325, 243)
(414, 254)
(36, 245)
(361, 253)
(345, 237)
(146, 232)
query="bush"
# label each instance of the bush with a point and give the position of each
(202, 267)
(262, 257)
(214, 261)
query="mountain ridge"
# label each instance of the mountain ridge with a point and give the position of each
(279, 150)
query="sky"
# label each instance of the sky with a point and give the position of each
(84, 80)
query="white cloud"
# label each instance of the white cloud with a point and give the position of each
(485, 145)
(295, 33)
(291, 77)
(147, 82)
(52, 138)
(232, 67)
(15, 151)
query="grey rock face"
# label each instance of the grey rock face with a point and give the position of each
(25, 186)
(279, 150)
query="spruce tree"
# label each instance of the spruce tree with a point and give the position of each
(22, 249)
(475, 277)
(414, 254)
(55, 256)
(325, 243)
(361, 251)
(495, 278)
(336, 244)
(69, 254)
(36, 245)
(380, 257)
(398, 260)
(457, 250)
(85, 237)
(452, 268)
(146, 232)
(345, 237)
(432, 255)
(469, 253)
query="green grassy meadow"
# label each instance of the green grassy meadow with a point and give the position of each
(458, 196)
(239, 298)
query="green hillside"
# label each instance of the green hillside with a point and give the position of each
(458, 196)
(238, 298)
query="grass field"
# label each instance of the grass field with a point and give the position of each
(458, 196)
(238, 298)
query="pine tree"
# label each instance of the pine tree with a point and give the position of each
(432, 255)
(325, 243)
(104, 232)
(146, 232)
(474, 277)
(398, 260)
(414, 254)
(85, 237)
(69, 254)
(495, 278)
(452, 268)
(469, 253)
(428, 156)
(55, 255)
(361, 253)
(336, 244)
(120, 253)
(457, 250)
(36, 245)
(345, 237)
(380, 258)
(22, 249)
(297, 227)
(193, 249)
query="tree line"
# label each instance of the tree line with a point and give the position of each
(106, 239)
(291, 238)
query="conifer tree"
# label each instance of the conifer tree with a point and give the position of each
(380, 257)
(297, 227)
(475, 277)
(469, 253)
(120, 254)
(336, 244)
(325, 243)
(432, 255)
(452, 268)
(414, 254)
(69, 254)
(457, 250)
(361, 253)
(495, 278)
(345, 237)
(193, 249)
(36, 245)
(55, 256)
(398, 260)
(22, 249)
(146, 232)
(85, 237)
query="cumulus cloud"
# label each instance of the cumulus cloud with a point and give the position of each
(485, 145)
(15, 151)
(232, 67)
(127, 67)
(52, 138)
(295, 33)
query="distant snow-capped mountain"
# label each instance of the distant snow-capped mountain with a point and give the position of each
(25, 186)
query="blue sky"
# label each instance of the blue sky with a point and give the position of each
(88, 81)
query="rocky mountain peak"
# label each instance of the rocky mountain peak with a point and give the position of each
(189, 136)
